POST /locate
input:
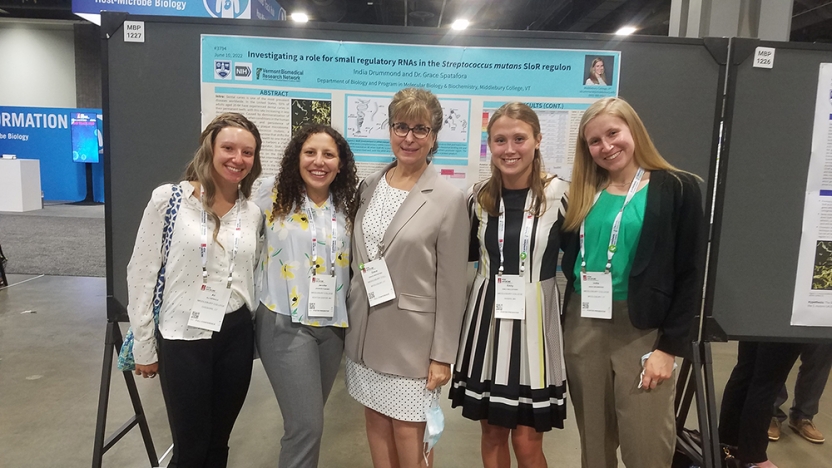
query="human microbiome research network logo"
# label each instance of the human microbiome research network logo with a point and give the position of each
(228, 8)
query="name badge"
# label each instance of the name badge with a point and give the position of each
(510, 297)
(209, 307)
(377, 282)
(321, 296)
(596, 295)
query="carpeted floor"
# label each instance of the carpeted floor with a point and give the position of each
(54, 243)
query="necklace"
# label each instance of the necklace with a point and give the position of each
(392, 173)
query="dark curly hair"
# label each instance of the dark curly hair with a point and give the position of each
(290, 189)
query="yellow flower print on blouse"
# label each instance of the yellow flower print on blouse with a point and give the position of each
(286, 270)
(302, 219)
(294, 299)
(342, 259)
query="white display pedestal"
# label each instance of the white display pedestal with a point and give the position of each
(20, 185)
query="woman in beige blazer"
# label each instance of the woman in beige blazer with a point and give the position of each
(399, 352)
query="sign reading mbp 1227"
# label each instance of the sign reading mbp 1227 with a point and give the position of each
(245, 9)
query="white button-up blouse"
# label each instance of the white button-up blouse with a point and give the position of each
(183, 273)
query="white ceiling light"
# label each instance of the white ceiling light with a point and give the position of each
(460, 24)
(625, 31)
(300, 17)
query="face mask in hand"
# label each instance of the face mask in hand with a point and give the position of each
(434, 424)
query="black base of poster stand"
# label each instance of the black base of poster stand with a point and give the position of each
(696, 380)
(112, 344)
(89, 199)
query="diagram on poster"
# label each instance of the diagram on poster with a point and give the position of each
(367, 117)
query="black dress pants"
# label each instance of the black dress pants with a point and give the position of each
(744, 417)
(205, 383)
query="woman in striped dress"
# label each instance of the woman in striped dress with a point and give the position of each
(509, 373)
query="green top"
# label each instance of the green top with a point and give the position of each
(597, 239)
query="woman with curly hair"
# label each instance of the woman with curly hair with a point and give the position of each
(304, 276)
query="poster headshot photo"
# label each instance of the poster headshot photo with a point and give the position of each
(599, 70)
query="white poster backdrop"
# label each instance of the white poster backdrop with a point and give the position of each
(813, 285)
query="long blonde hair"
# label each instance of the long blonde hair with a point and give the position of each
(491, 190)
(200, 167)
(587, 177)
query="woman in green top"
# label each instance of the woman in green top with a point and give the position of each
(633, 257)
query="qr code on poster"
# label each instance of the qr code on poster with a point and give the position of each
(371, 295)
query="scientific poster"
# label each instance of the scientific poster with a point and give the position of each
(813, 286)
(281, 84)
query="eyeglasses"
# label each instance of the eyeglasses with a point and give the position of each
(401, 129)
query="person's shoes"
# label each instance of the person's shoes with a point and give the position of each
(806, 428)
(774, 430)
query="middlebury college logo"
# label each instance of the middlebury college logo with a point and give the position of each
(227, 8)
(222, 69)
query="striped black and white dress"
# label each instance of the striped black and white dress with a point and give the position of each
(511, 372)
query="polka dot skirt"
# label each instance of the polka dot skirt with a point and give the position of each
(394, 396)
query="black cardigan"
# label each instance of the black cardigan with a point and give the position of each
(665, 286)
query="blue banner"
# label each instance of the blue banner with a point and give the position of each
(246, 9)
(45, 134)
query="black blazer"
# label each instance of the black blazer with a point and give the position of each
(665, 287)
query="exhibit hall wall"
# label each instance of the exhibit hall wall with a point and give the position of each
(39, 71)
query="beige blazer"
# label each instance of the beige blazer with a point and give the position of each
(426, 250)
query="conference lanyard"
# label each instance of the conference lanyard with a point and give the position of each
(310, 213)
(528, 222)
(203, 247)
(616, 224)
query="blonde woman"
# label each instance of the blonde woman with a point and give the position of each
(597, 76)
(633, 262)
(509, 373)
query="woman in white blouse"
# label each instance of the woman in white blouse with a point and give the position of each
(203, 347)
(309, 209)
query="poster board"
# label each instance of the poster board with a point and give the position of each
(758, 214)
(152, 101)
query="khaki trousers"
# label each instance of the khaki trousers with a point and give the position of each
(603, 368)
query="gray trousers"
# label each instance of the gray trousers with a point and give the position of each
(815, 363)
(301, 363)
(603, 367)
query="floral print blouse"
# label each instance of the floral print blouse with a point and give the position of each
(286, 261)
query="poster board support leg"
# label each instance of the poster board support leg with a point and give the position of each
(696, 380)
(112, 344)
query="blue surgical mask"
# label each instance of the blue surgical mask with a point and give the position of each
(434, 423)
